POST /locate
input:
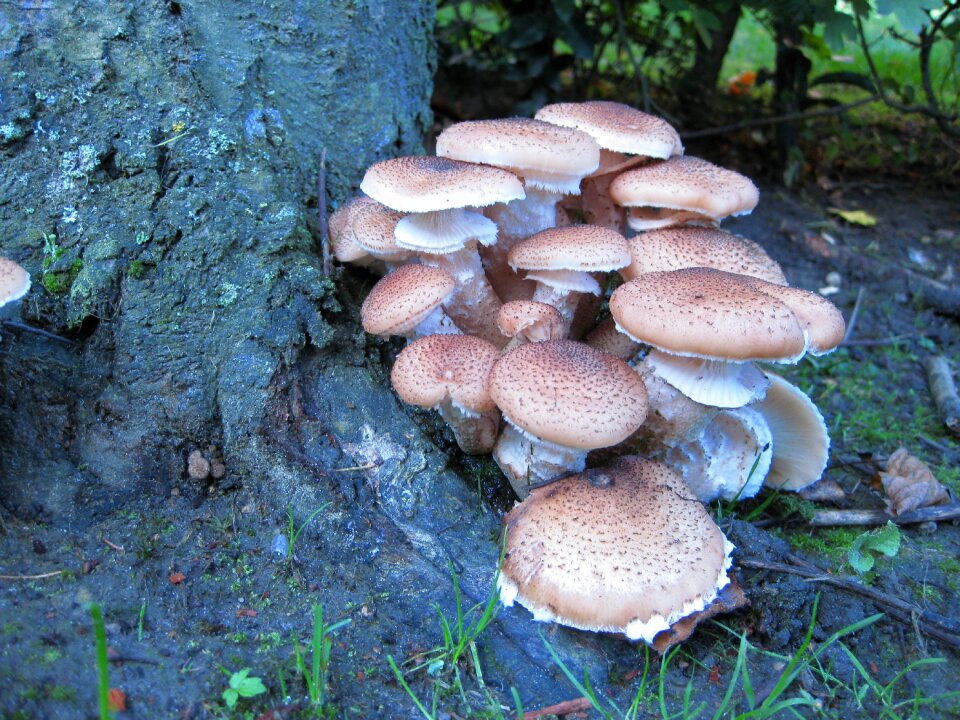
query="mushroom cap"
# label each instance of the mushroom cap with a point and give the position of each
(822, 322)
(340, 229)
(588, 248)
(626, 548)
(683, 182)
(537, 150)
(418, 183)
(403, 298)
(14, 281)
(373, 231)
(801, 442)
(436, 368)
(708, 313)
(537, 321)
(683, 247)
(568, 393)
(616, 127)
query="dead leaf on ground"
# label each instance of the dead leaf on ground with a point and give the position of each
(177, 577)
(117, 700)
(854, 217)
(910, 484)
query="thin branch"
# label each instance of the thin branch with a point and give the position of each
(848, 335)
(567, 707)
(933, 513)
(322, 215)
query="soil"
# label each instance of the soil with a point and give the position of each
(196, 579)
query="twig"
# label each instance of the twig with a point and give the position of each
(566, 707)
(934, 295)
(322, 214)
(14, 325)
(118, 548)
(944, 391)
(848, 335)
(41, 576)
(932, 513)
(942, 629)
(368, 466)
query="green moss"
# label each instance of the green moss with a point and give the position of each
(136, 269)
(60, 282)
(59, 692)
(831, 544)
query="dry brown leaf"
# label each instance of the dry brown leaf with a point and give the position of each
(910, 484)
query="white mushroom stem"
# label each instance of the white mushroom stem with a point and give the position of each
(720, 383)
(672, 417)
(526, 459)
(436, 323)
(475, 433)
(562, 290)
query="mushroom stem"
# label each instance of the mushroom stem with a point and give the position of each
(473, 305)
(475, 433)
(436, 323)
(527, 460)
(562, 289)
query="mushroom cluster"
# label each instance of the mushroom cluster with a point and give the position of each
(496, 254)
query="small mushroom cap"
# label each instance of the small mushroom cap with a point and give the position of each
(708, 313)
(626, 549)
(436, 368)
(537, 321)
(568, 393)
(340, 230)
(801, 442)
(686, 183)
(417, 184)
(536, 150)
(14, 281)
(588, 248)
(617, 127)
(373, 231)
(821, 320)
(403, 298)
(684, 247)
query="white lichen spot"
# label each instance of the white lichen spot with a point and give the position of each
(228, 293)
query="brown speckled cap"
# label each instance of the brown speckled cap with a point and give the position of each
(616, 127)
(14, 281)
(435, 368)
(538, 151)
(685, 247)
(340, 230)
(417, 184)
(373, 230)
(820, 318)
(708, 313)
(568, 393)
(627, 548)
(587, 248)
(402, 299)
(537, 321)
(686, 183)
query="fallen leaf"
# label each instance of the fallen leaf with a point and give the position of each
(177, 577)
(117, 699)
(246, 612)
(910, 484)
(855, 217)
(714, 677)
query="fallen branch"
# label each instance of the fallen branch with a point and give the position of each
(933, 513)
(41, 576)
(935, 295)
(944, 391)
(322, 215)
(942, 629)
(567, 707)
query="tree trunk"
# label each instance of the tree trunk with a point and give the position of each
(698, 86)
(790, 89)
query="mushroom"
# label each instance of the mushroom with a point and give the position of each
(449, 373)
(340, 233)
(372, 230)
(14, 281)
(624, 549)
(526, 321)
(682, 189)
(436, 193)
(408, 302)
(626, 136)
(561, 399)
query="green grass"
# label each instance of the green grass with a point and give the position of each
(102, 664)
(315, 677)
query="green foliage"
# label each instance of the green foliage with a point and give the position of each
(315, 677)
(241, 685)
(103, 666)
(294, 531)
(885, 540)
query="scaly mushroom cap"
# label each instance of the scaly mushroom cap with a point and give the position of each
(536, 321)
(621, 549)
(545, 155)
(373, 231)
(708, 313)
(801, 443)
(588, 248)
(435, 368)
(569, 394)
(402, 299)
(821, 320)
(340, 229)
(14, 281)
(685, 247)
(419, 184)
(686, 183)
(617, 127)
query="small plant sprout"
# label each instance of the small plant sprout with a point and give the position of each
(103, 667)
(315, 677)
(293, 532)
(885, 540)
(241, 685)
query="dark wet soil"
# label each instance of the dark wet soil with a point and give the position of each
(197, 581)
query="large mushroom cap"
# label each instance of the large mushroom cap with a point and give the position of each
(684, 247)
(708, 313)
(418, 184)
(688, 183)
(589, 248)
(402, 299)
(568, 393)
(14, 281)
(437, 368)
(616, 127)
(621, 549)
(544, 154)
